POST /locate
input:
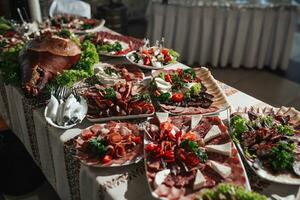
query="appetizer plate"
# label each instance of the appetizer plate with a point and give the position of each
(223, 165)
(133, 43)
(94, 162)
(145, 66)
(104, 119)
(261, 171)
(220, 102)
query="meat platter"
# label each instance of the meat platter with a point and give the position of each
(114, 45)
(185, 154)
(73, 23)
(116, 92)
(187, 91)
(110, 144)
(268, 139)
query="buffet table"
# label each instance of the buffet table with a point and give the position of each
(221, 33)
(52, 151)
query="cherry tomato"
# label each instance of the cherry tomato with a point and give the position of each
(177, 97)
(151, 51)
(147, 61)
(192, 160)
(167, 58)
(165, 52)
(106, 159)
(168, 78)
(166, 126)
(180, 72)
(87, 134)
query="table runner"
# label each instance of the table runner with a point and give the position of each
(222, 33)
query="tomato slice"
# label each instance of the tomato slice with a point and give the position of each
(165, 51)
(106, 159)
(177, 97)
(147, 61)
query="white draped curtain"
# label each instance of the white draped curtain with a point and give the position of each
(255, 35)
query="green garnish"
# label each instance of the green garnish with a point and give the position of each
(138, 97)
(189, 73)
(86, 26)
(174, 54)
(69, 77)
(9, 65)
(229, 192)
(266, 120)
(285, 130)
(110, 93)
(116, 46)
(97, 146)
(282, 156)
(89, 57)
(164, 97)
(187, 95)
(177, 81)
(238, 126)
(65, 33)
(193, 147)
(195, 89)
(109, 71)
(162, 75)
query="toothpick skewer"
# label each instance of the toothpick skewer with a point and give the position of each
(20, 15)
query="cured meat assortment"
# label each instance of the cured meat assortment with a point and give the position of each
(185, 155)
(109, 144)
(269, 141)
(121, 99)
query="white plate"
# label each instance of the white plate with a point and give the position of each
(145, 66)
(282, 178)
(49, 120)
(129, 162)
(120, 117)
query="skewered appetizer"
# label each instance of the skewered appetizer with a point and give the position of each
(110, 144)
(186, 154)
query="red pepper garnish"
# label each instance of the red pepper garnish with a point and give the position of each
(177, 97)
(169, 156)
(86, 134)
(166, 126)
(168, 78)
(10, 33)
(189, 136)
(181, 154)
(192, 160)
(147, 61)
(151, 51)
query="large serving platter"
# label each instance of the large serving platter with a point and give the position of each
(195, 121)
(220, 102)
(132, 42)
(257, 167)
(115, 162)
(146, 66)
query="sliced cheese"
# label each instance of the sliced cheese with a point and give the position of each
(221, 169)
(195, 120)
(160, 177)
(162, 117)
(212, 133)
(199, 180)
(224, 149)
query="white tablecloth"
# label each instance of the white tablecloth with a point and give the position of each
(223, 34)
(52, 150)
